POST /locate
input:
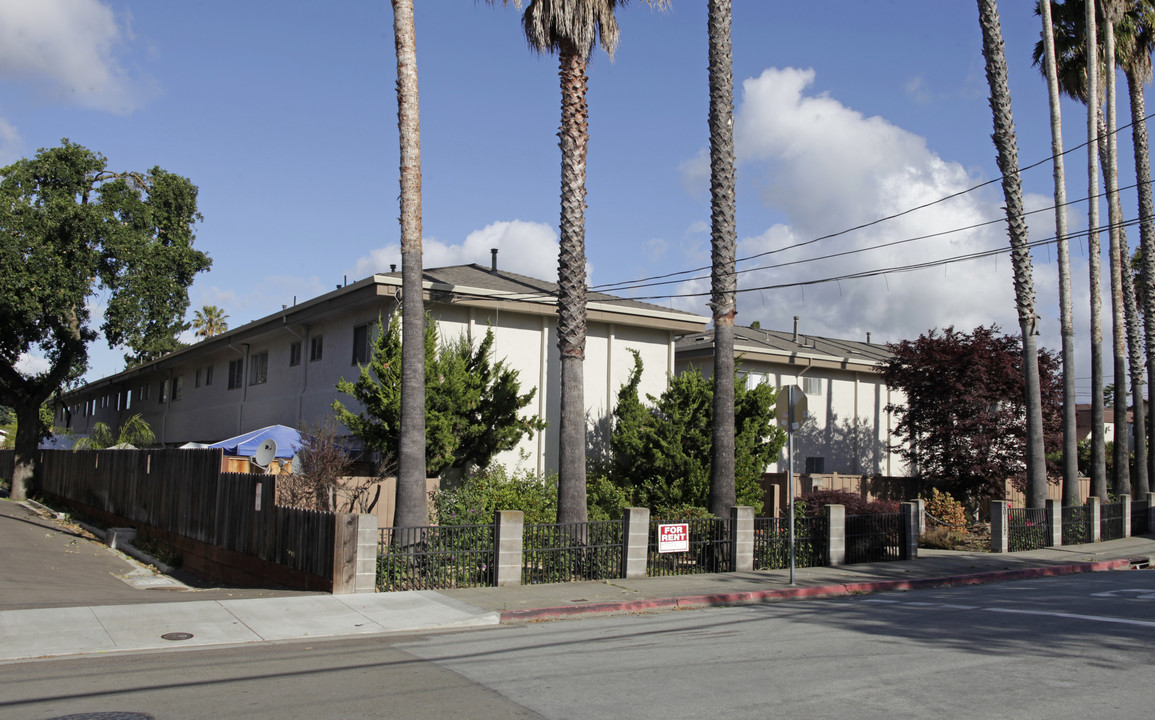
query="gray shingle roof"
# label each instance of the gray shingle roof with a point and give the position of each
(778, 342)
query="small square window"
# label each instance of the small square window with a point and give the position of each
(812, 385)
(295, 354)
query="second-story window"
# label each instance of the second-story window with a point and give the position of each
(361, 344)
(259, 368)
(236, 373)
(316, 347)
(295, 354)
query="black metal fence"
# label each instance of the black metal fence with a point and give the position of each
(1027, 529)
(1140, 520)
(874, 538)
(709, 550)
(772, 542)
(432, 558)
(554, 553)
(1111, 521)
(1076, 524)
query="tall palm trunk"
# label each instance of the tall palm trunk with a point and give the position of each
(1008, 161)
(723, 242)
(412, 508)
(1098, 452)
(571, 300)
(1066, 314)
(1146, 254)
(1122, 480)
(1135, 372)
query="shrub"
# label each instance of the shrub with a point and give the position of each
(946, 510)
(485, 491)
(855, 504)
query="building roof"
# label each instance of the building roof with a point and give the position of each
(782, 347)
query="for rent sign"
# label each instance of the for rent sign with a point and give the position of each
(674, 538)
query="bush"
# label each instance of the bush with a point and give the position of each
(485, 491)
(947, 511)
(855, 504)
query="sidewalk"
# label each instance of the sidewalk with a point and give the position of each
(91, 618)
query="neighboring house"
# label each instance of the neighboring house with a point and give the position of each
(1083, 424)
(848, 429)
(283, 368)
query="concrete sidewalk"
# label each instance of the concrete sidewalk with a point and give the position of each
(79, 620)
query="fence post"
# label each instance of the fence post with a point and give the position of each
(354, 554)
(1096, 525)
(1125, 503)
(910, 521)
(836, 537)
(1055, 522)
(636, 538)
(742, 538)
(1150, 513)
(1000, 532)
(508, 542)
(920, 508)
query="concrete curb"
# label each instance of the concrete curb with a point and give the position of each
(817, 591)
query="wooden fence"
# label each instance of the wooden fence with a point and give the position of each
(7, 463)
(183, 493)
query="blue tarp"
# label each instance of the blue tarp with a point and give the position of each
(288, 441)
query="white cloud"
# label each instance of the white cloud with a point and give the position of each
(527, 248)
(11, 144)
(30, 365)
(73, 44)
(825, 167)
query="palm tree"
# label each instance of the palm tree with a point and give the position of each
(210, 321)
(723, 243)
(1066, 315)
(412, 509)
(1008, 161)
(571, 28)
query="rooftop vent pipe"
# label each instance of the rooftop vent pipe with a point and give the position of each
(867, 338)
(493, 261)
(795, 328)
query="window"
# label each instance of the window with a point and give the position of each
(259, 368)
(295, 354)
(162, 398)
(127, 399)
(197, 378)
(236, 373)
(316, 346)
(177, 387)
(144, 393)
(209, 375)
(812, 385)
(361, 344)
(815, 465)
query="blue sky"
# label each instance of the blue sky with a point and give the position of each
(283, 113)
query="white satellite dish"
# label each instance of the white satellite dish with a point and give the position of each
(265, 453)
(295, 464)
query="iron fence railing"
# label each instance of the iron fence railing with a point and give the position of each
(874, 538)
(1028, 529)
(1140, 520)
(1076, 524)
(709, 552)
(434, 558)
(772, 542)
(555, 553)
(1111, 521)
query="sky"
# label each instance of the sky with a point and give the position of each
(284, 115)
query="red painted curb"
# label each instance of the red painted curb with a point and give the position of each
(816, 591)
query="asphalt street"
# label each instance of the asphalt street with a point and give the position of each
(1062, 647)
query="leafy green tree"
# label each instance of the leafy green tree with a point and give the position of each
(661, 452)
(70, 229)
(472, 404)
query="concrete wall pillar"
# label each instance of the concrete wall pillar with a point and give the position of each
(1096, 525)
(636, 538)
(911, 513)
(508, 542)
(1125, 501)
(1000, 531)
(742, 537)
(920, 508)
(1150, 513)
(1054, 522)
(355, 554)
(836, 538)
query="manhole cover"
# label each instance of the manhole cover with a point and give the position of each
(107, 716)
(177, 636)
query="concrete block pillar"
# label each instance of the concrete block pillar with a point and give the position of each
(1054, 522)
(508, 542)
(1150, 513)
(911, 513)
(1094, 516)
(836, 538)
(1000, 529)
(636, 537)
(355, 554)
(1125, 502)
(920, 508)
(742, 537)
